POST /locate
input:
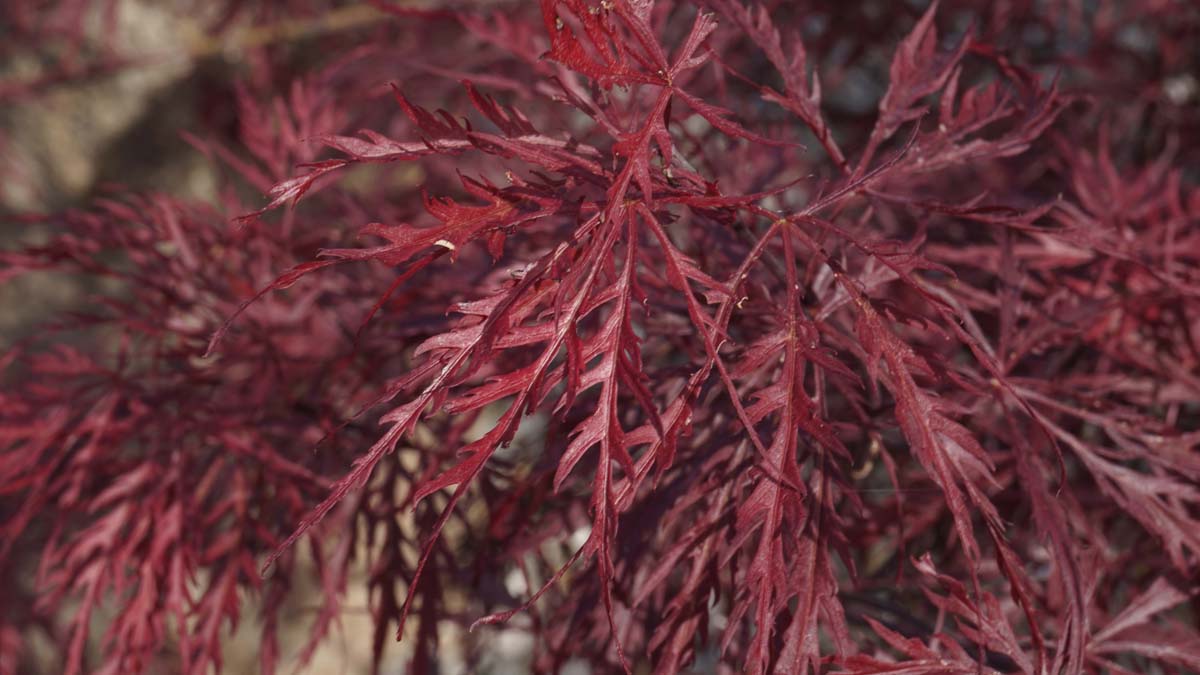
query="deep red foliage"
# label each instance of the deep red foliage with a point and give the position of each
(846, 338)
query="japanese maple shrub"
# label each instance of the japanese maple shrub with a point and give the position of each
(750, 337)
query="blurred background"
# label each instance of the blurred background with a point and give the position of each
(95, 95)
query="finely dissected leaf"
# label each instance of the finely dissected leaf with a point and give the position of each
(570, 342)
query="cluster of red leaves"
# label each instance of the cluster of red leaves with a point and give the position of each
(812, 367)
(142, 482)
